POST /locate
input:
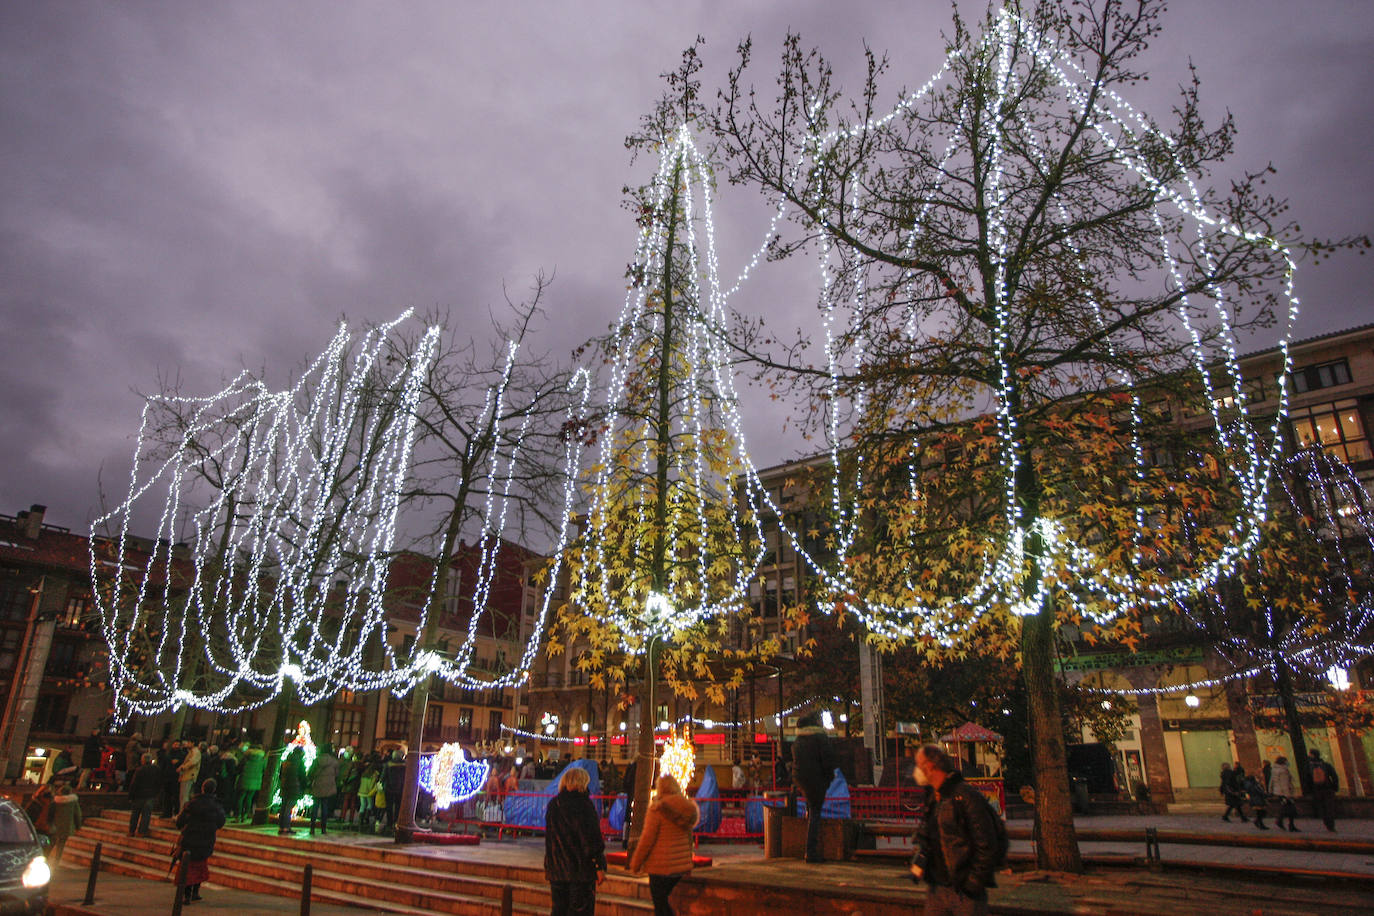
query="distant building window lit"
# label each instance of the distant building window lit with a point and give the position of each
(1336, 427)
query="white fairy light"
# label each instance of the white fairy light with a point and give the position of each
(288, 501)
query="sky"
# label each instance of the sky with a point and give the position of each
(191, 188)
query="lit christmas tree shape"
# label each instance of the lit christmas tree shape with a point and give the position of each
(450, 777)
(668, 540)
(276, 516)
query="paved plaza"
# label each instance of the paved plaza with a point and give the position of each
(741, 880)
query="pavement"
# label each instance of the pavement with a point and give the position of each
(1123, 890)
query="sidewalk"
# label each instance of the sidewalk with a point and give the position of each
(118, 895)
(742, 881)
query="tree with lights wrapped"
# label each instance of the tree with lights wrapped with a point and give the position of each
(489, 461)
(667, 546)
(1014, 240)
(1299, 610)
(265, 576)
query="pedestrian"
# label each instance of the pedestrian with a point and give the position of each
(349, 774)
(187, 772)
(61, 762)
(133, 756)
(169, 758)
(291, 781)
(66, 819)
(39, 809)
(228, 780)
(574, 850)
(1258, 800)
(631, 770)
(367, 788)
(814, 762)
(199, 821)
(957, 841)
(1325, 784)
(737, 777)
(1281, 787)
(324, 785)
(251, 772)
(664, 850)
(144, 786)
(209, 764)
(1232, 792)
(395, 784)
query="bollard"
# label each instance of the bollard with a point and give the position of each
(180, 886)
(90, 881)
(306, 880)
(507, 900)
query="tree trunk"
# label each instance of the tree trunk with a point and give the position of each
(1283, 684)
(658, 569)
(1243, 726)
(1058, 846)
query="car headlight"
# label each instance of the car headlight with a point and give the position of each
(37, 873)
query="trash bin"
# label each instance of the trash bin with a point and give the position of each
(772, 832)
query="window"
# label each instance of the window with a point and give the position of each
(14, 600)
(493, 725)
(9, 648)
(347, 725)
(50, 714)
(62, 659)
(1323, 375)
(397, 718)
(465, 721)
(75, 611)
(1336, 427)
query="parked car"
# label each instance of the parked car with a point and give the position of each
(24, 872)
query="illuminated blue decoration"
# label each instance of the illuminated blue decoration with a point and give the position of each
(450, 777)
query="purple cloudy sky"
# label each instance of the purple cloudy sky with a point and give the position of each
(192, 187)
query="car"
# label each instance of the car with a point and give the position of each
(24, 871)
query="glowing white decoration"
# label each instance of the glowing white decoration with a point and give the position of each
(1191, 701)
(269, 559)
(679, 758)
(1339, 678)
(450, 777)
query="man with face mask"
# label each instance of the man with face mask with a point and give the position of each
(957, 844)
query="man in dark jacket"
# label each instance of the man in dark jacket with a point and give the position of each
(395, 774)
(957, 839)
(574, 849)
(145, 785)
(1325, 783)
(813, 769)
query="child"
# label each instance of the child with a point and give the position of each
(1258, 797)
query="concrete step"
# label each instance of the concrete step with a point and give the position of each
(379, 876)
(137, 867)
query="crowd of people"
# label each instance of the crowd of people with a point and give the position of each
(1277, 786)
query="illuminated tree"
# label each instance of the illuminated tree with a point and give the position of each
(1010, 239)
(668, 541)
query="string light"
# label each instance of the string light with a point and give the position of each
(1104, 588)
(288, 501)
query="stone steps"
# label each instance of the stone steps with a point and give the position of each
(382, 876)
